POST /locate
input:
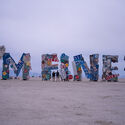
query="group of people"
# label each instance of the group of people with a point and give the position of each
(55, 76)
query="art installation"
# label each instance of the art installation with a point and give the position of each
(75, 71)
(26, 66)
(47, 65)
(94, 67)
(64, 71)
(8, 60)
(108, 74)
(2, 51)
(80, 62)
(91, 73)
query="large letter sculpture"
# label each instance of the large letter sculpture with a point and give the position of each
(8, 60)
(108, 75)
(64, 71)
(47, 65)
(91, 73)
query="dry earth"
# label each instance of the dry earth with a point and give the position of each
(35, 102)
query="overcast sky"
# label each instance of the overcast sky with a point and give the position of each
(56, 26)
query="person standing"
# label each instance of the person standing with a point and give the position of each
(63, 74)
(53, 76)
(57, 76)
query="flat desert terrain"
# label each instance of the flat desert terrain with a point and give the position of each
(36, 102)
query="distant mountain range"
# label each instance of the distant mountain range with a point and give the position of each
(12, 73)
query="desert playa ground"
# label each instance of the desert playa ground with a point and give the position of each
(35, 102)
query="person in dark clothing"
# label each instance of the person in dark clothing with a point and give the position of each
(53, 76)
(57, 76)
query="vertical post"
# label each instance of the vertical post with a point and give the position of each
(107, 69)
(94, 67)
(6, 62)
(2, 51)
(26, 66)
